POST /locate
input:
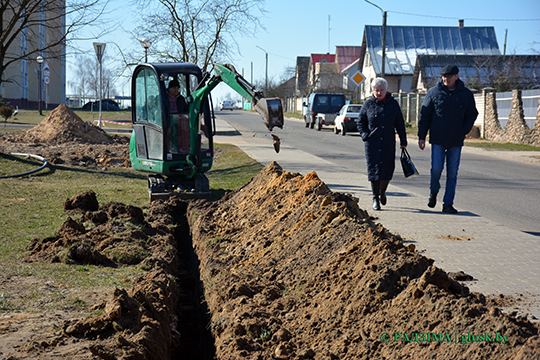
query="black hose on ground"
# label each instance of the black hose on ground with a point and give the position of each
(45, 163)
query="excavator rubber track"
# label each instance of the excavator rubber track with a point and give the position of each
(160, 187)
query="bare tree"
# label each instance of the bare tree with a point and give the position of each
(22, 19)
(196, 31)
(86, 82)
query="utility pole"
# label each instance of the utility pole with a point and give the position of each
(505, 35)
(266, 78)
(383, 44)
(384, 37)
(329, 34)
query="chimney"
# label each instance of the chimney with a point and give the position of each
(460, 23)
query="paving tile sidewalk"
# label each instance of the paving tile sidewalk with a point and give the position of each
(502, 260)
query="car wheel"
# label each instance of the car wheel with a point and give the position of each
(312, 125)
(336, 130)
(319, 126)
(343, 132)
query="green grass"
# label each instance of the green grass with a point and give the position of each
(293, 115)
(232, 168)
(497, 146)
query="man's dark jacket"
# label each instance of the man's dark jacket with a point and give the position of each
(448, 115)
(377, 123)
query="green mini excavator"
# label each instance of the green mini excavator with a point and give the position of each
(172, 135)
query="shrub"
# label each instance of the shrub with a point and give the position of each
(6, 112)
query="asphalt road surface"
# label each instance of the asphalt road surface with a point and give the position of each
(503, 190)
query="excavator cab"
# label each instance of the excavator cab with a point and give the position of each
(173, 125)
(167, 142)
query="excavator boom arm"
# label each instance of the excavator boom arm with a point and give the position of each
(270, 110)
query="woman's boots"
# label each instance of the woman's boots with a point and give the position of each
(384, 186)
(378, 188)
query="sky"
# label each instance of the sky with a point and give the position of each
(301, 27)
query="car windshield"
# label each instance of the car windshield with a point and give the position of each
(354, 109)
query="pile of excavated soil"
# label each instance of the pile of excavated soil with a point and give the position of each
(292, 270)
(62, 125)
(63, 138)
(282, 268)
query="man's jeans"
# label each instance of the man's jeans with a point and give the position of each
(438, 155)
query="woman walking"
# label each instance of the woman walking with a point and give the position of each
(380, 118)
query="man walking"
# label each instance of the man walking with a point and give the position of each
(449, 113)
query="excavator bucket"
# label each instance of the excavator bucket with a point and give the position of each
(271, 111)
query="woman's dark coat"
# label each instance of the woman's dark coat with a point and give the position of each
(377, 124)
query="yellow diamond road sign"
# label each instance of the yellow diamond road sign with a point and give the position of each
(358, 78)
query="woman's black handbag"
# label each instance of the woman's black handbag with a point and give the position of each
(409, 170)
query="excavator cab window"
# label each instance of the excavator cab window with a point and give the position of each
(178, 134)
(148, 115)
(179, 87)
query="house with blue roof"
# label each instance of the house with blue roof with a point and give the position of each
(405, 43)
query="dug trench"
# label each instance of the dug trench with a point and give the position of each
(281, 268)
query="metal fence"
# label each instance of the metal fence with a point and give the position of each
(530, 106)
(410, 106)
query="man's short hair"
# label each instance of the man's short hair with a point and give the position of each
(449, 70)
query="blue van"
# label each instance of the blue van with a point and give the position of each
(322, 109)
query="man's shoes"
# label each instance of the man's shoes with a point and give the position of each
(376, 203)
(383, 197)
(449, 209)
(432, 201)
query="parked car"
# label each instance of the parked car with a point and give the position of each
(226, 105)
(322, 109)
(346, 119)
(106, 105)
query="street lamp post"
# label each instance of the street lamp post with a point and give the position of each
(384, 37)
(146, 44)
(266, 78)
(100, 49)
(39, 60)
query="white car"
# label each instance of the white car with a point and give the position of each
(227, 105)
(346, 119)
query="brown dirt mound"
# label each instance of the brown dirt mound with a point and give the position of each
(62, 125)
(309, 276)
(63, 138)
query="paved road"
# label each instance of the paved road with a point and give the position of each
(501, 257)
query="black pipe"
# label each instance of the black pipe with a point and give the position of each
(45, 163)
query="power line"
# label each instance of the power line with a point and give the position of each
(458, 18)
